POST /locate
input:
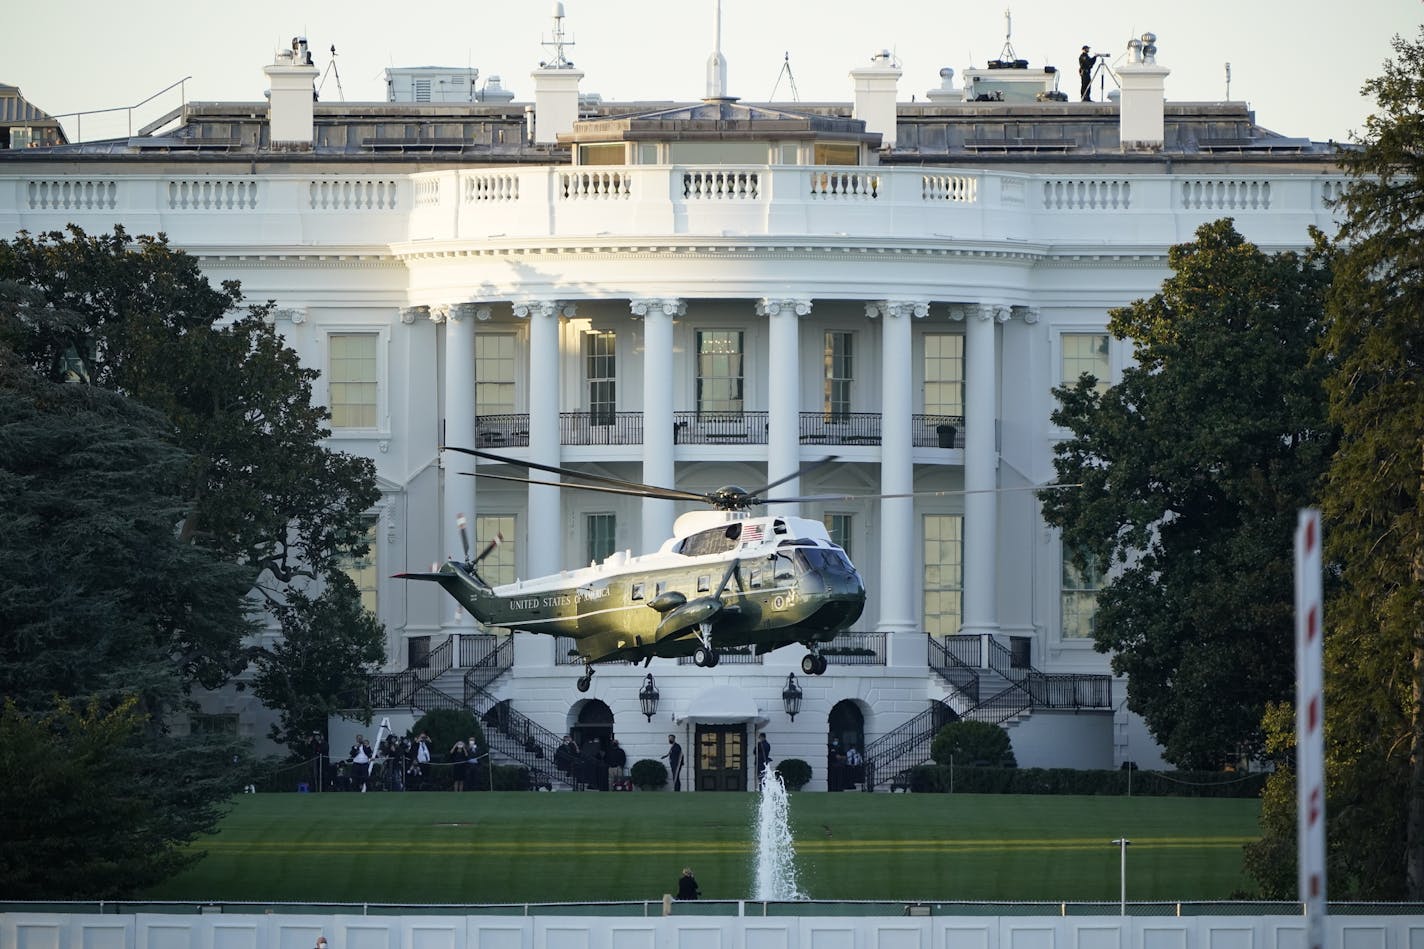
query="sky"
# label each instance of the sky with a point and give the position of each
(1299, 63)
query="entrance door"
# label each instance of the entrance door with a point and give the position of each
(721, 758)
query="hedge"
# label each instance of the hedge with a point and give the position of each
(935, 779)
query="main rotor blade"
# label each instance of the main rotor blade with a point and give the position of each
(609, 489)
(571, 473)
(809, 466)
(921, 494)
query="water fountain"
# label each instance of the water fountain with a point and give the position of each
(775, 877)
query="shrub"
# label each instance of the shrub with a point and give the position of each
(795, 773)
(445, 726)
(936, 779)
(973, 743)
(649, 775)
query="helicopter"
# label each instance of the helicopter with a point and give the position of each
(726, 578)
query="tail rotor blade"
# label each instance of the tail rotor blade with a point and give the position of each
(489, 548)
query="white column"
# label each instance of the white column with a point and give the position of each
(783, 434)
(899, 612)
(981, 463)
(659, 466)
(544, 553)
(458, 490)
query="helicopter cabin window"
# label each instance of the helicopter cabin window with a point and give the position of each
(498, 565)
(494, 373)
(635, 592)
(720, 372)
(601, 377)
(704, 583)
(352, 386)
(714, 541)
(754, 578)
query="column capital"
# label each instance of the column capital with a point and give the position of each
(296, 314)
(897, 308)
(668, 306)
(996, 312)
(438, 313)
(1029, 314)
(790, 307)
(409, 314)
(524, 309)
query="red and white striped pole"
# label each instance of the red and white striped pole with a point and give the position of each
(1310, 725)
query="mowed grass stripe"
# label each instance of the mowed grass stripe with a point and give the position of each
(507, 847)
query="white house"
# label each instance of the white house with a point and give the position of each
(584, 283)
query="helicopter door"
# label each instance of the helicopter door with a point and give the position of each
(721, 758)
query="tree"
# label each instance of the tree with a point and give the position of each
(102, 601)
(262, 490)
(318, 667)
(1374, 501)
(969, 743)
(1192, 469)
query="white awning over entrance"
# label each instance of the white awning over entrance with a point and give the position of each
(724, 704)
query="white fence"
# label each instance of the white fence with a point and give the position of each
(223, 931)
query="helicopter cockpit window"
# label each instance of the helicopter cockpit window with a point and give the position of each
(704, 583)
(637, 592)
(784, 568)
(713, 541)
(753, 578)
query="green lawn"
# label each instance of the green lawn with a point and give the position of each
(528, 847)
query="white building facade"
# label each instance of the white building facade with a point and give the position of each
(712, 294)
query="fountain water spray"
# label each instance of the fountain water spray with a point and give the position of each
(775, 854)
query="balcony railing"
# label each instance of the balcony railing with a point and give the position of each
(856, 649)
(718, 428)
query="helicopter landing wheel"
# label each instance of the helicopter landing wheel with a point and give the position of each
(584, 681)
(704, 657)
(822, 663)
(808, 664)
(713, 659)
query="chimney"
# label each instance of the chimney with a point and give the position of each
(290, 96)
(556, 102)
(875, 96)
(1140, 106)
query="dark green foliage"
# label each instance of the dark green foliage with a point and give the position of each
(445, 726)
(1192, 470)
(1374, 502)
(937, 779)
(973, 743)
(318, 668)
(649, 774)
(794, 772)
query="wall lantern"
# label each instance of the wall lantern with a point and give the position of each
(791, 696)
(648, 696)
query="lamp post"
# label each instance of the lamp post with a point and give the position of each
(648, 696)
(1121, 844)
(791, 696)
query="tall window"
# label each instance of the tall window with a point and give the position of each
(837, 361)
(494, 373)
(1086, 353)
(944, 573)
(498, 567)
(362, 569)
(1080, 597)
(353, 380)
(601, 371)
(719, 371)
(839, 527)
(601, 532)
(944, 374)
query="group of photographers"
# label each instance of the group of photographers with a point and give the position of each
(400, 763)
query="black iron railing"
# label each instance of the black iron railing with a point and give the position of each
(566, 654)
(719, 428)
(395, 689)
(890, 757)
(519, 738)
(937, 431)
(501, 431)
(840, 428)
(485, 658)
(601, 428)
(946, 662)
(856, 649)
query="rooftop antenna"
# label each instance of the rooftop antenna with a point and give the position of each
(790, 78)
(560, 61)
(1228, 82)
(332, 71)
(1008, 55)
(717, 63)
